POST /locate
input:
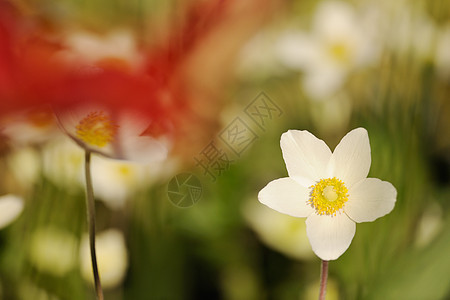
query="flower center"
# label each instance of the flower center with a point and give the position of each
(340, 52)
(328, 196)
(96, 129)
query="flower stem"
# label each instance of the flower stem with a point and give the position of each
(90, 205)
(323, 279)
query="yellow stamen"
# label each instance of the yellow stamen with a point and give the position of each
(328, 196)
(96, 129)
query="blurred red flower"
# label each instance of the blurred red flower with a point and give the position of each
(179, 87)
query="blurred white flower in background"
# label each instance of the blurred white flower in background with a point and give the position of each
(24, 164)
(63, 163)
(10, 208)
(283, 233)
(116, 181)
(429, 225)
(114, 134)
(338, 43)
(112, 258)
(53, 250)
(117, 48)
(405, 29)
(31, 127)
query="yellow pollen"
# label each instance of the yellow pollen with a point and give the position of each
(328, 196)
(96, 129)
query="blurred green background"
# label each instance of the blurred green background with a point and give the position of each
(323, 66)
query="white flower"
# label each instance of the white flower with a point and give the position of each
(53, 250)
(406, 30)
(24, 165)
(330, 190)
(338, 43)
(62, 163)
(10, 208)
(113, 134)
(29, 127)
(112, 258)
(116, 181)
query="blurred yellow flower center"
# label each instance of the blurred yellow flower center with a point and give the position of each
(340, 52)
(96, 129)
(328, 196)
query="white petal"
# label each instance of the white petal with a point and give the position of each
(306, 156)
(116, 180)
(10, 207)
(330, 236)
(334, 18)
(351, 160)
(132, 123)
(286, 196)
(142, 149)
(296, 50)
(370, 199)
(133, 145)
